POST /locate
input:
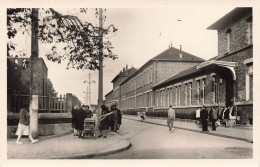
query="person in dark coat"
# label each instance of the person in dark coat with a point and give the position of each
(119, 118)
(73, 113)
(114, 119)
(104, 123)
(204, 118)
(80, 116)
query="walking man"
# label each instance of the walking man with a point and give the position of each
(214, 117)
(204, 115)
(171, 118)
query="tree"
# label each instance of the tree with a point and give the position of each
(80, 40)
(50, 89)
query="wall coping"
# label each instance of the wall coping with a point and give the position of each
(42, 115)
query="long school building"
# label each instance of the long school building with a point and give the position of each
(187, 86)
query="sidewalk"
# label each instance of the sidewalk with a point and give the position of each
(66, 147)
(233, 133)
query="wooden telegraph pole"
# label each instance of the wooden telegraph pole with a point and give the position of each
(33, 85)
(100, 77)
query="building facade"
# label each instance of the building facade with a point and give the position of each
(136, 91)
(114, 95)
(220, 81)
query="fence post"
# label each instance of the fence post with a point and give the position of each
(64, 103)
(60, 103)
(49, 102)
(69, 102)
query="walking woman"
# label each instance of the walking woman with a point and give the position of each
(73, 113)
(23, 126)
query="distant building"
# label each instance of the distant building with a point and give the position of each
(220, 81)
(136, 91)
(114, 95)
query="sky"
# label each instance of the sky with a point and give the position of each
(142, 34)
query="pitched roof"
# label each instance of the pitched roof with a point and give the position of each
(170, 54)
(125, 73)
(230, 18)
(109, 93)
(173, 54)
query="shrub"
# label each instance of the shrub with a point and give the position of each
(130, 112)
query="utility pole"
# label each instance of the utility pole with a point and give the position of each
(100, 76)
(33, 84)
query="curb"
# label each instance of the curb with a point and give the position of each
(126, 146)
(198, 131)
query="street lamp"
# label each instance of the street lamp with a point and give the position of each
(100, 74)
(100, 84)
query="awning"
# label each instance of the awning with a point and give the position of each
(226, 64)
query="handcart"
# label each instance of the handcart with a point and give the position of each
(89, 128)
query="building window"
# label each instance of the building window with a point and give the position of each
(249, 82)
(161, 99)
(198, 92)
(186, 93)
(229, 39)
(170, 97)
(203, 91)
(176, 95)
(215, 89)
(249, 31)
(190, 93)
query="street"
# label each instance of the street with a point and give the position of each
(151, 141)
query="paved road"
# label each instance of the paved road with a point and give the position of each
(155, 142)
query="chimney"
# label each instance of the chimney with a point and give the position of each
(180, 52)
(171, 44)
(126, 67)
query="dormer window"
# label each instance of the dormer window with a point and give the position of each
(229, 38)
(249, 31)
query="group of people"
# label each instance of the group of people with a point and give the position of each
(215, 115)
(109, 119)
(78, 117)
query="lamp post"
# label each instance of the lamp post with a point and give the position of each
(100, 76)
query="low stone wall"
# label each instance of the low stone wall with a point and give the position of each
(44, 129)
(49, 124)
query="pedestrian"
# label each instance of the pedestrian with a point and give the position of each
(142, 114)
(104, 123)
(73, 113)
(81, 114)
(171, 118)
(226, 116)
(119, 117)
(88, 112)
(114, 118)
(23, 126)
(204, 118)
(214, 117)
